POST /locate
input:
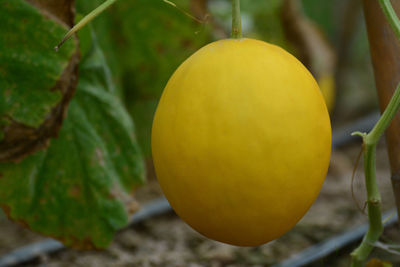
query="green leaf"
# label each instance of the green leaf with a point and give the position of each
(36, 83)
(29, 66)
(79, 190)
(322, 13)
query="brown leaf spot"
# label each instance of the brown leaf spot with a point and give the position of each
(7, 93)
(118, 150)
(7, 210)
(186, 43)
(75, 243)
(125, 168)
(75, 191)
(130, 204)
(63, 10)
(374, 262)
(160, 49)
(133, 207)
(70, 241)
(99, 156)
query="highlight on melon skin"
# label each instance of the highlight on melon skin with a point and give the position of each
(241, 141)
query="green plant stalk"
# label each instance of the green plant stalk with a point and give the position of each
(236, 20)
(88, 18)
(391, 16)
(360, 255)
(370, 141)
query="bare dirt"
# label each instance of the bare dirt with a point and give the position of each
(167, 241)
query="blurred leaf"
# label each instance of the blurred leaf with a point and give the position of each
(36, 83)
(143, 111)
(322, 12)
(260, 19)
(79, 190)
(151, 40)
(103, 27)
(267, 20)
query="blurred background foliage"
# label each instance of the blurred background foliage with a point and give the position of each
(145, 41)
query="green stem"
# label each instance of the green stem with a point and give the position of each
(85, 21)
(391, 16)
(375, 230)
(236, 20)
(386, 118)
(370, 141)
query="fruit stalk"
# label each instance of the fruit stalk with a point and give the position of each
(370, 141)
(236, 20)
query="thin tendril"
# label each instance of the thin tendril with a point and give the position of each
(362, 210)
(185, 12)
(88, 18)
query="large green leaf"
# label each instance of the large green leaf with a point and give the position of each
(79, 190)
(36, 83)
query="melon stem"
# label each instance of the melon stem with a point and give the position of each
(236, 20)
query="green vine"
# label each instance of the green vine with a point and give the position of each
(391, 16)
(370, 141)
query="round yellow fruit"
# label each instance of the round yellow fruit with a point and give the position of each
(241, 141)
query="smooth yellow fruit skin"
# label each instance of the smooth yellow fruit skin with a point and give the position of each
(241, 141)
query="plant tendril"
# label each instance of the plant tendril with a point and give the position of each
(88, 18)
(186, 13)
(362, 210)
